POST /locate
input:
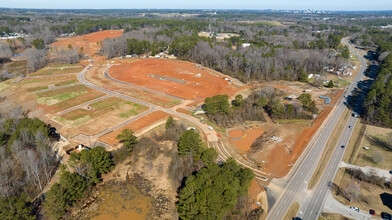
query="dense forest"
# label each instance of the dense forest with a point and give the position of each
(379, 98)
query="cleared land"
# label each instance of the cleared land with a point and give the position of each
(91, 43)
(277, 157)
(95, 75)
(135, 126)
(57, 70)
(376, 156)
(178, 78)
(243, 139)
(98, 116)
(61, 99)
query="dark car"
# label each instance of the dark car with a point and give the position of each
(386, 216)
(372, 212)
(342, 146)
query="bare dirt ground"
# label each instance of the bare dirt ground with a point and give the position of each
(277, 158)
(140, 187)
(178, 78)
(135, 126)
(91, 43)
(95, 76)
(243, 139)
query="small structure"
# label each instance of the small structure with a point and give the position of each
(346, 72)
(310, 76)
(191, 128)
(291, 97)
(81, 147)
(366, 148)
(245, 45)
(307, 90)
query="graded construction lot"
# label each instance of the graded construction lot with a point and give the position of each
(149, 120)
(177, 78)
(282, 141)
(98, 116)
(96, 76)
(65, 98)
(57, 70)
(91, 43)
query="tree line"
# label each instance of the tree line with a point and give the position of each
(220, 111)
(378, 100)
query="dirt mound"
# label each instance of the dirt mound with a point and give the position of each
(178, 78)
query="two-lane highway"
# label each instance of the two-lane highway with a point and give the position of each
(304, 171)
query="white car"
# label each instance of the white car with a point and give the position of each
(209, 127)
(354, 209)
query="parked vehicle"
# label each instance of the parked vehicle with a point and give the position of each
(386, 216)
(372, 212)
(343, 148)
(354, 209)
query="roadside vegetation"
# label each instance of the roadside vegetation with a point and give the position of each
(219, 110)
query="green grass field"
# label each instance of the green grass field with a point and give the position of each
(104, 106)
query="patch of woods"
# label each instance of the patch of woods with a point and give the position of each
(378, 101)
(88, 167)
(275, 52)
(352, 192)
(27, 162)
(206, 190)
(268, 99)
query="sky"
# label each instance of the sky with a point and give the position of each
(342, 5)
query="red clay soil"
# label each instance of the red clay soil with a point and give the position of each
(205, 85)
(279, 159)
(135, 126)
(254, 190)
(236, 133)
(247, 140)
(181, 110)
(91, 43)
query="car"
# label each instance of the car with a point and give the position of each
(350, 126)
(354, 208)
(386, 216)
(343, 148)
(372, 212)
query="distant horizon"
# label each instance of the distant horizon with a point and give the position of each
(207, 9)
(330, 5)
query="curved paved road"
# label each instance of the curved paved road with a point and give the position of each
(212, 138)
(303, 172)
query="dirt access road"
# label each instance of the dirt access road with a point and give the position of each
(211, 135)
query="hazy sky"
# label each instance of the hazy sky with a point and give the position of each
(203, 4)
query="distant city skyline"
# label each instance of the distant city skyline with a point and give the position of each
(330, 5)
